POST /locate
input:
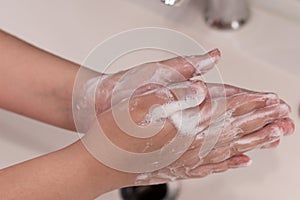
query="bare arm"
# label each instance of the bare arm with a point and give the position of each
(39, 85)
(70, 173)
(35, 83)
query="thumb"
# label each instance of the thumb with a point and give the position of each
(190, 66)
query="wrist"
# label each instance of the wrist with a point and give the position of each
(100, 178)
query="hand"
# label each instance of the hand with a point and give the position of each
(246, 119)
(252, 120)
(141, 79)
(257, 120)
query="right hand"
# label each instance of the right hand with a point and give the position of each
(256, 119)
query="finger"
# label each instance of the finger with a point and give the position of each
(191, 158)
(283, 102)
(225, 150)
(164, 101)
(173, 70)
(188, 90)
(259, 114)
(217, 90)
(248, 123)
(228, 131)
(244, 103)
(239, 101)
(150, 76)
(270, 134)
(271, 145)
(154, 75)
(236, 105)
(259, 118)
(233, 162)
(286, 123)
(217, 155)
(186, 95)
(194, 65)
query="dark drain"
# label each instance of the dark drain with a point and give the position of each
(151, 192)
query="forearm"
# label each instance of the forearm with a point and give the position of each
(35, 83)
(70, 173)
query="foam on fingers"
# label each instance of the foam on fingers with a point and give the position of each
(204, 63)
(259, 118)
(187, 94)
(266, 137)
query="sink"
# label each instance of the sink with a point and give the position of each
(262, 56)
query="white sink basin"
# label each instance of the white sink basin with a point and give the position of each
(262, 56)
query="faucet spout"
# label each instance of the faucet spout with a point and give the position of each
(170, 2)
(222, 14)
(227, 14)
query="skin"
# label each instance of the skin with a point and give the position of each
(39, 80)
(30, 77)
(258, 130)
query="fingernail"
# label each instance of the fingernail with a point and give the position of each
(276, 132)
(272, 98)
(215, 53)
(240, 161)
(284, 109)
(208, 61)
(291, 129)
(287, 125)
(271, 145)
(245, 164)
(204, 62)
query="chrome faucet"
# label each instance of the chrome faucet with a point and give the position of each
(227, 14)
(223, 14)
(170, 2)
